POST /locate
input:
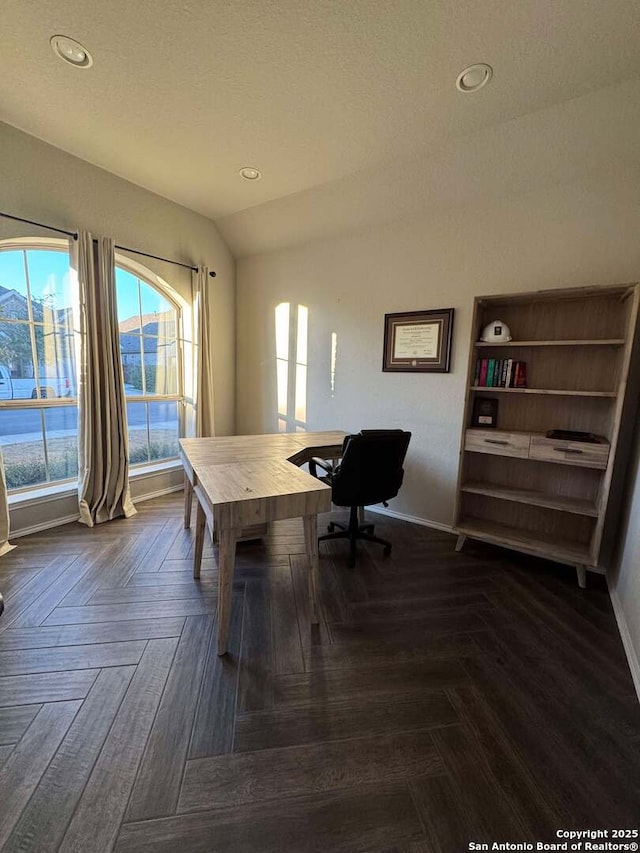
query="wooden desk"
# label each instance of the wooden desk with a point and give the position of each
(245, 481)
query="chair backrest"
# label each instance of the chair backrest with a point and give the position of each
(371, 467)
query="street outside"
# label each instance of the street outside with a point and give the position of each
(23, 451)
(20, 425)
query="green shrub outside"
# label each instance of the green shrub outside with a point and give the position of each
(32, 472)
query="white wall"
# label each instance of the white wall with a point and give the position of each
(45, 184)
(578, 234)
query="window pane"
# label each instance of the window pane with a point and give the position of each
(158, 314)
(17, 375)
(127, 301)
(161, 366)
(14, 306)
(161, 439)
(13, 285)
(50, 286)
(149, 352)
(61, 434)
(57, 365)
(54, 375)
(163, 430)
(131, 354)
(165, 325)
(22, 447)
(138, 436)
(153, 302)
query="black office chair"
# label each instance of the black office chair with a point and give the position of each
(370, 472)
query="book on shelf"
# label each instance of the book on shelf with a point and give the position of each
(490, 368)
(520, 380)
(507, 383)
(500, 373)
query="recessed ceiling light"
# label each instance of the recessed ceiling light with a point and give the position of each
(250, 174)
(71, 51)
(474, 77)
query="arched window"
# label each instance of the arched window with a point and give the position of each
(38, 385)
(150, 345)
(38, 377)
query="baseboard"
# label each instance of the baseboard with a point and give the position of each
(147, 496)
(413, 519)
(45, 525)
(625, 635)
(69, 519)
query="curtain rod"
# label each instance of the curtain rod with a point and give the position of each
(74, 235)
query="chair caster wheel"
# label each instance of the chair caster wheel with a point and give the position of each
(387, 551)
(331, 527)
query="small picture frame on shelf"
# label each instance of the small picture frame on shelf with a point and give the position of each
(485, 413)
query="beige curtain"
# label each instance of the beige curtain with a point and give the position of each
(201, 286)
(103, 481)
(4, 513)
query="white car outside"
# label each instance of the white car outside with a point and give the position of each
(26, 389)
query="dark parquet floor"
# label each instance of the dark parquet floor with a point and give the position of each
(444, 699)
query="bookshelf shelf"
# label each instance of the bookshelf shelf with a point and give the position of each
(548, 498)
(531, 542)
(565, 393)
(597, 342)
(576, 506)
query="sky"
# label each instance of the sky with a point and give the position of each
(49, 275)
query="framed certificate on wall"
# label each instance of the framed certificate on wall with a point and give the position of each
(418, 341)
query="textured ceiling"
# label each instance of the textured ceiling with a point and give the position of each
(312, 92)
(593, 138)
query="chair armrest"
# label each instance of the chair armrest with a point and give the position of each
(315, 462)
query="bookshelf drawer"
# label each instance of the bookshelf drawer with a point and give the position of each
(497, 442)
(569, 452)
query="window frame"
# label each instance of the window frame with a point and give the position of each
(148, 277)
(25, 244)
(40, 404)
(184, 337)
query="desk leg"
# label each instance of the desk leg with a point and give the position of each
(201, 525)
(226, 565)
(188, 498)
(311, 544)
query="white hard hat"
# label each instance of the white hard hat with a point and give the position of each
(495, 332)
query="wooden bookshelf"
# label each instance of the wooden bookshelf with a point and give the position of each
(516, 487)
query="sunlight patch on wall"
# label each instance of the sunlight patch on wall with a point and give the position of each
(334, 358)
(282, 363)
(292, 332)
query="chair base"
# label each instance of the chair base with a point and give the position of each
(353, 532)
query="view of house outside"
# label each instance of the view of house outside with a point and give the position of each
(37, 363)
